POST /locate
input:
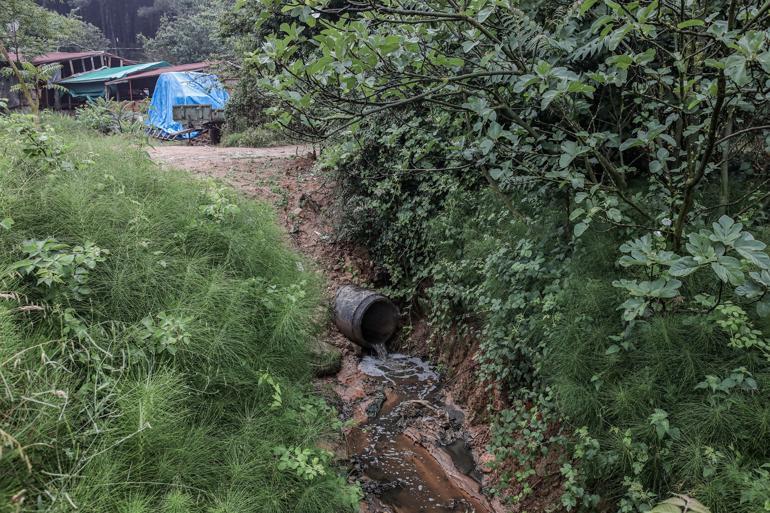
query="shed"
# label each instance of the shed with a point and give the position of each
(73, 63)
(142, 85)
(94, 84)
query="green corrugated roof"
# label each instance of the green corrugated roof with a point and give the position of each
(106, 74)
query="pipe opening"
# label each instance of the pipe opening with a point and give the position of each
(379, 322)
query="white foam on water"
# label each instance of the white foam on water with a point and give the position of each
(397, 366)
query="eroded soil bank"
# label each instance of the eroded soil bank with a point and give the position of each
(409, 445)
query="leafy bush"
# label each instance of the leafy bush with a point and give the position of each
(253, 137)
(110, 117)
(136, 333)
(582, 188)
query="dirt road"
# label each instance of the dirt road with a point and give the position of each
(255, 171)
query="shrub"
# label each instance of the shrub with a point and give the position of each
(253, 137)
(532, 166)
(110, 117)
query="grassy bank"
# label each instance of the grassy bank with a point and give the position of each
(154, 340)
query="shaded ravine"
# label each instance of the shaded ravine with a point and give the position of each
(409, 449)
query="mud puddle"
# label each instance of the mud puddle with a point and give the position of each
(408, 448)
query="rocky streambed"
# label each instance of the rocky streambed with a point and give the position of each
(408, 446)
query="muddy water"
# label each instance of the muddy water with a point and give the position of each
(410, 451)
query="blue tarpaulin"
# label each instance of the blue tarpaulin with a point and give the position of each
(183, 88)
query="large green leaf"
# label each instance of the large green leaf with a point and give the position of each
(681, 504)
(729, 270)
(726, 231)
(752, 250)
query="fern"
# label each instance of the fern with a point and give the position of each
(589, 50)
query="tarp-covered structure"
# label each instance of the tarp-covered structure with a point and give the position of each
(141, 85)
(92, 85)
(183, 88)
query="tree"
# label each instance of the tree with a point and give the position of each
(37, 78)
(29, 30)
(645, 119)
(625, 107)
(187, 35)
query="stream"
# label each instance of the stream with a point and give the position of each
(408, 448)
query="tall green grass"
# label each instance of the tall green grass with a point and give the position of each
(718, 441)
(92, 415)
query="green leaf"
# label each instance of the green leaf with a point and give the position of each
(570, 150)
(664, 289)
(633, 307)
(578, 212)
(469, 45)
(764, 61)
(548, 98)
(485, 13)
(631, 143)
(752, 250)
(763, 308)
(6, 223)
(726, 231)
(735, 69)
(690, 23)
(497, 173)
(28, 263)
(585, 6)
(579, 87)
(700, 247)
(729, 270)
(665, 508)
(761, 277)
(749, 290)
(580, 228)
(645, 57)
(622, 62)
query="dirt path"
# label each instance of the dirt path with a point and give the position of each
(422, 474)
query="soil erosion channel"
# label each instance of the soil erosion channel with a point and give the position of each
(407, 446)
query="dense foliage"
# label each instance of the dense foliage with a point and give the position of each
(189, 34)
(29, 30)
(582, 188)
(154, 339)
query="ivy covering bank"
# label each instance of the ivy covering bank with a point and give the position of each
(582, 188)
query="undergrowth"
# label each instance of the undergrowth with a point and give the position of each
(253, 137)
(612, 415)
(155, 330)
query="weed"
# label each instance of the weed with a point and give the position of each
(130, 380)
